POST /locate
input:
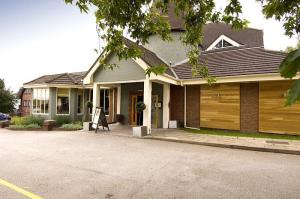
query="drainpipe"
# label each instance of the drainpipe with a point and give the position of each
(184, 106)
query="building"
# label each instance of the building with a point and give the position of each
(59, 94)
(25, 99)
(248, 95)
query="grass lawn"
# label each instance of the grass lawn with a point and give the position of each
(240, 134)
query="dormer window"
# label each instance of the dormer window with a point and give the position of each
(222, 42)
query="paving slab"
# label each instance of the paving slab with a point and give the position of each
(246, 143)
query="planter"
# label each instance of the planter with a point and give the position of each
(64, 129)
(139, 131)
(4, 124)
(173, 124)
(120, 118)
(25, 129)
(87, 126)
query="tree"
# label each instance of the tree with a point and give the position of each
(292, 48)
(7, 99)
(142, 18)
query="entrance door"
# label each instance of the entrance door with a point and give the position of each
(154, 111)
(135, 117)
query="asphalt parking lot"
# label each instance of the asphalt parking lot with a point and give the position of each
(87, 165)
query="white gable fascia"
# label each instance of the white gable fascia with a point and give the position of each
(162, 78)
(88, 79)
(232, 42)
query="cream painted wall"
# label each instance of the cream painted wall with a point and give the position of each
(173, 51)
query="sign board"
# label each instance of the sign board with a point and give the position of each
(99, 119)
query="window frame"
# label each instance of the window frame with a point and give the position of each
(83, 102)
(105, 89)
(44, 98)
(69, 102)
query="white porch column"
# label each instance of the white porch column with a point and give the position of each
(147, 102)
(96, 96)
(166, 108)
(119, 99)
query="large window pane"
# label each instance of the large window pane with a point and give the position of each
(80, 101)
(40, 101)
(91, 100)
(104, 100)
(63, 101)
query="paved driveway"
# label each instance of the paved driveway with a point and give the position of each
(79, 165)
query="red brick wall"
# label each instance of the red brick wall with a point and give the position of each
(249, 107)
(26, 103)
(177, 104)
(193, 106)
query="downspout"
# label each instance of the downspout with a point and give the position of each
(184, 106)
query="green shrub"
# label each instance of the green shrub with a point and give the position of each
(72, 126)
(16, 120)
(28, 120)
(20, 126)
(62, 119)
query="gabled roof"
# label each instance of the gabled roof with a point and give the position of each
(150, 57)
(20, 92)
(247, 37)
(62, 78)
(235, 61)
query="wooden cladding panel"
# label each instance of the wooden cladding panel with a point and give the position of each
(220, 106)
(274, 117)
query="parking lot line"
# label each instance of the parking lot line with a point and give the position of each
(19, 190)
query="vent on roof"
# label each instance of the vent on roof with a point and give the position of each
(222, 42)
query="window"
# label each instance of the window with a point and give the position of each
(104, 100)
(40, 101)
(27, 91)
(63, 101)
(80, 101)
(223, 44)
(90, 99)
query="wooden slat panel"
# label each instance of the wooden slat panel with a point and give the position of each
(220, 106)
(274, 117)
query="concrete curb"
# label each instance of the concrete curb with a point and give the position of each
(250, 148)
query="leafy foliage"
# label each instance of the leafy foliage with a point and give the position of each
(7, 99)
(62, 119)
(28, 120)
(20, 126)
(77, 125)
(139, 19)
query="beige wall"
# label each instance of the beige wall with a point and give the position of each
(174, 51)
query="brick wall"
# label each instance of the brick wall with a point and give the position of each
(25, 107)
(177, 104)
(249, 107)
(193, 106)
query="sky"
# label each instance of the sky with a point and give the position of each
(39, 37)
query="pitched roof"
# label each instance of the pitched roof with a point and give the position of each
(150, 57)
(20, 92)
(235, 61)
(62, 78)
(247, 37)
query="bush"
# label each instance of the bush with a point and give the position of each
(62, 119)
(28, 120)
(77, 125)
(16, 120)
(30, 126)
